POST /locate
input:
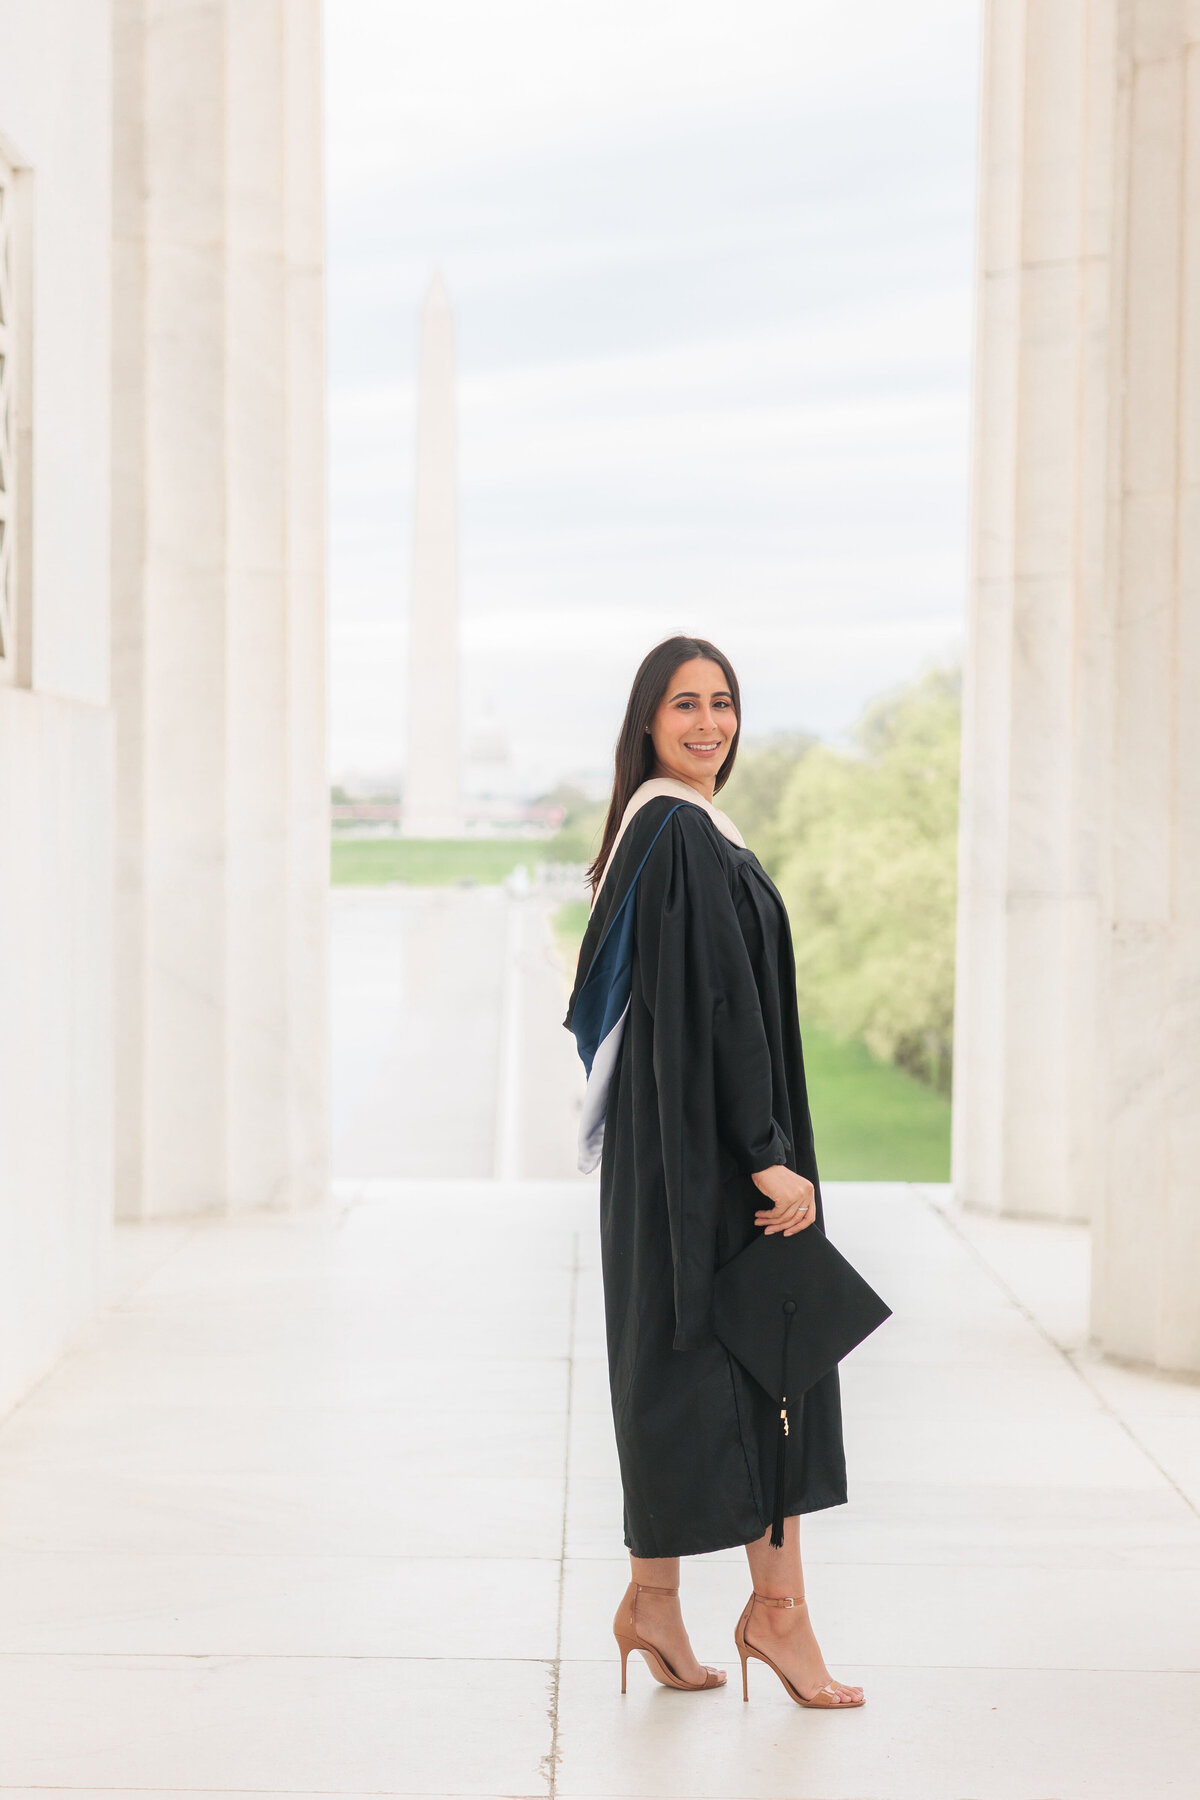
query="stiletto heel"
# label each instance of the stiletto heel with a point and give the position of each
(625, 1630)
(824, 1697)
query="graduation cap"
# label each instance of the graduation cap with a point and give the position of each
(789, 1309)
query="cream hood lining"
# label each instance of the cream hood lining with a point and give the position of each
(663, 787)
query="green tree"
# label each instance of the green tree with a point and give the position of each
(753, 792)
(865, 854)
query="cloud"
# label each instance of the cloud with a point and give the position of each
(712, 276)
(416, 90)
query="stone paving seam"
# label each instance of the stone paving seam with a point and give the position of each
(81, 1343)
(551, 1759)
(1031, 1318)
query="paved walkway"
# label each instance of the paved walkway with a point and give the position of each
(326, 1505)
(449, 1056)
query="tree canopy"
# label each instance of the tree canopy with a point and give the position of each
(866, 862)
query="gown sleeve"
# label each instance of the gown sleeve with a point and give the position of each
(712, 1063)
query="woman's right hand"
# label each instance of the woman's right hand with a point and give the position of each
(793, 1200)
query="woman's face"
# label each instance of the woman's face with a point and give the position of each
(694, 725)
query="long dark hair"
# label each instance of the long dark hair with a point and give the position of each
(635, 747)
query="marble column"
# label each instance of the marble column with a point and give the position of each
(218, 635)
(1034, 678)
(432, 791)
(56, 725)
(1146, 1238)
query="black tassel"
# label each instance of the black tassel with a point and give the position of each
(782, 1433)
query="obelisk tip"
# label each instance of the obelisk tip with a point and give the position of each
(437, 294)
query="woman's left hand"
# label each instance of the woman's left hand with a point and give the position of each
(793, 1200)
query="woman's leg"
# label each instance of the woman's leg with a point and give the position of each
(785, 1633)
(660, 1619)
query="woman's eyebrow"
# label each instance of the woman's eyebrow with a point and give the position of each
(688, 694)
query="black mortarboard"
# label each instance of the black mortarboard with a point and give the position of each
(789, 1309)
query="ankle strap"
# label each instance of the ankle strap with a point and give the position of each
(770, 1600)
(643, 1589)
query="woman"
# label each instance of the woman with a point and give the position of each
(685, 1011)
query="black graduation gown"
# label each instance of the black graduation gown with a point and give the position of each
(708, 1087)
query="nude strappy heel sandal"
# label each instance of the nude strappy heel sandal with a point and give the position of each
(630, 1638)
(825, 1696)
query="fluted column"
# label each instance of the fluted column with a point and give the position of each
(1034, 677)
(218, 604)
(1146, 1240)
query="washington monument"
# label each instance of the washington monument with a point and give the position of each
(432, 794)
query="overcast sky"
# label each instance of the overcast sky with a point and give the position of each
(711, 266)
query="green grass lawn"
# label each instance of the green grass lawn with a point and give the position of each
(872, 1121)
(430, 862)
(569, 923)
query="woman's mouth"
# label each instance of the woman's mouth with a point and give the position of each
(702, 749)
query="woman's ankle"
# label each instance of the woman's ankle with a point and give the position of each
(780, 1620)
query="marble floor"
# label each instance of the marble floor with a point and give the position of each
(326, 1504)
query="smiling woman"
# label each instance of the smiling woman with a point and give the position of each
(694, 726)
(684, 1011)
(681, 722)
